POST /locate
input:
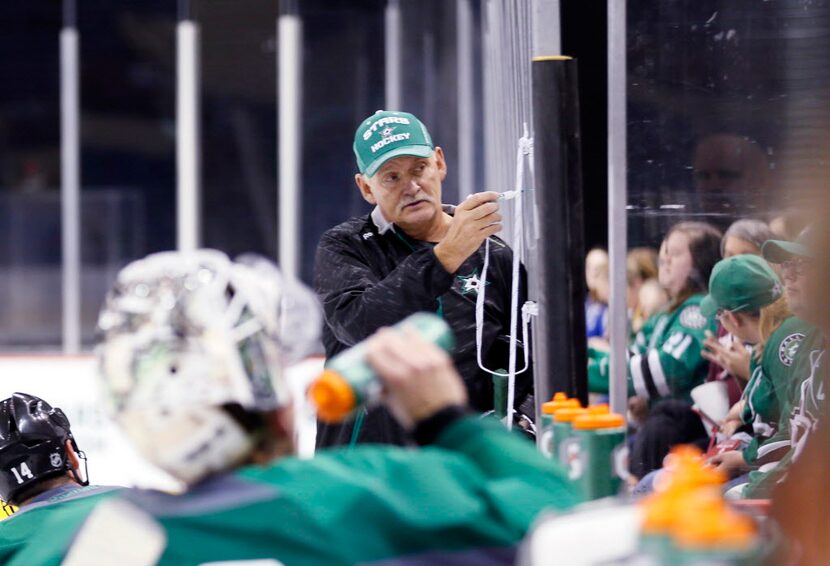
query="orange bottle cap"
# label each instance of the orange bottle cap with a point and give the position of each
(711, 524)
(662, 510)
(598, 421)
(552, 407)
(685, 467)
(659, 514)
(333, 397)
(559, 396)
(601, 409)
(684, 455)
(568, 414)
(686, 494)
(700, 477)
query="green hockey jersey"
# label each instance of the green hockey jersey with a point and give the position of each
(664, 358)
(805, 402)
(766, 394)
(469, 497)
(61, 504)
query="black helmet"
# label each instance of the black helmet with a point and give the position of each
(33, 436)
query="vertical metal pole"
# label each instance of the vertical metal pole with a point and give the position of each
(393, 37)
(545, 41)
(488, 72)
(547, 37)
(187, 132)
(562, 364)
(70, 180)
(466, 99)
(617, 201)
(290, 141)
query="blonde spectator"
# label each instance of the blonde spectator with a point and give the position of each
(596, 303)
(641, 266)
(651, 299)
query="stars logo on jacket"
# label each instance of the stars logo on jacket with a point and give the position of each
(470, 283)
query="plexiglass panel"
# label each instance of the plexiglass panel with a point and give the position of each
(724, 99)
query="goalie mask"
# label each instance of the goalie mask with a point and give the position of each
(33, 438)
(183, 337)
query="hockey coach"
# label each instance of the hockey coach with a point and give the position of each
(412, 253)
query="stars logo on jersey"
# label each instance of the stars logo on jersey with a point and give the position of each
(788, 348)
(470, 283)
(691, 317)
(56, 460)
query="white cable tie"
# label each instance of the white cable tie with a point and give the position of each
(530, 308)
(526, 146)
(526, 142)
(510, 195)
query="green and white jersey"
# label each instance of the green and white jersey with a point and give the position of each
(469, 498)
(640, 340)
(766, 392)
(664, 358)
(805, 403)
(811, 402)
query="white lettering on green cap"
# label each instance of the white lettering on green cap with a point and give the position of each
(386, 135)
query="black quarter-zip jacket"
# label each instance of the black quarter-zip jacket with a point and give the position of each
(370, 274)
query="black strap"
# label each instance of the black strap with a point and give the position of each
(648, 379)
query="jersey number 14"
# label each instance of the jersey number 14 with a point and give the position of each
(22, 471)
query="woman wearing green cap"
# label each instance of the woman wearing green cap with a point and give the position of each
(747, 298)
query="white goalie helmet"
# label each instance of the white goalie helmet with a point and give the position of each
(183, 334)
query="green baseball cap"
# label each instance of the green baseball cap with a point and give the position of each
(779, 251)
(385, 135)
(741, 283)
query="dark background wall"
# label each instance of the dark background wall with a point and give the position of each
(584, 37)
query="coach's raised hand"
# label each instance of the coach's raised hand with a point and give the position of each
(475, 220)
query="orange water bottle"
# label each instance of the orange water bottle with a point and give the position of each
(348, 381)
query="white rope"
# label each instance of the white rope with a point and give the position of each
(525, 152)
(507, 50)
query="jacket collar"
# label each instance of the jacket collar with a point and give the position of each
(384, 226)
